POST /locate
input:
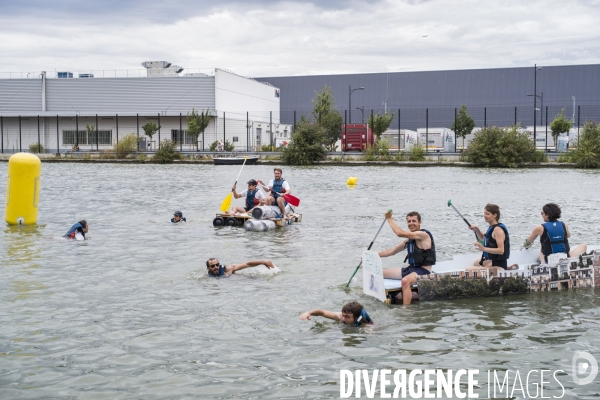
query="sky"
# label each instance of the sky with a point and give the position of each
(285, 38)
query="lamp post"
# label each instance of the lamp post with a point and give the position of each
(362, 110)
(542, 106)
(535, 96)
(350, 91)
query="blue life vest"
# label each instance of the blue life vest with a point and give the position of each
(489, 241)
(181, 220)
(251, 200)
(363, 318)
(277, 187)
(554, 239)
(418, 257)
(75, 228)
(221, 272)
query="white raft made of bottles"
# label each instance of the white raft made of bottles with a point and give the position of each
(261, 219)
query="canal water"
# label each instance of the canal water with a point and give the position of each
(130, 313)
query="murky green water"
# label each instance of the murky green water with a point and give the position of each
(129, 313)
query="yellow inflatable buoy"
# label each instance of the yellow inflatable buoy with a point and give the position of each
(22, 189)
(352, 180)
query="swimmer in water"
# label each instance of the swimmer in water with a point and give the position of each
(216, 269)
(78, 230)
(352, 314)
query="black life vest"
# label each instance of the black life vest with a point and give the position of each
(554, 239)
(277, 187)
(418, 257)
(489, 241)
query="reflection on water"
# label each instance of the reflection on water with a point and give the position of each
(131, 313)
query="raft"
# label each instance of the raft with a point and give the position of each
(450, 280)
(262, 219)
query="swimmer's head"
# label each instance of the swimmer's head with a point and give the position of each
(351, 312)
(84, 224)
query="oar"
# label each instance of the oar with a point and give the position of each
(227, 200)
(293, 200)
(368, 248)
(463, 218)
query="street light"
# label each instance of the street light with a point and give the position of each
(362, 110)
(350, 91)
(541, 110)
(535, 97)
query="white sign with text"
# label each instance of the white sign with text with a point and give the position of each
(373, 275)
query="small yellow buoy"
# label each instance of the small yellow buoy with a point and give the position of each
(352, 180)
(22, 189)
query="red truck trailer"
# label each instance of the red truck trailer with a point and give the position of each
(356, 137)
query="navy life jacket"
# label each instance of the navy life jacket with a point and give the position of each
(277, 187)
(489, 241)
(554, 239)
(418, 257)
(181, 220)
(221, 272)
(75, 228)
(251, 200)
(363, 318)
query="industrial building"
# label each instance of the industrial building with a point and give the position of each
(63, 109)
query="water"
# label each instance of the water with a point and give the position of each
(129, 313)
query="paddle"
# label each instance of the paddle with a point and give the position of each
(227, 200)
(293, 200)
(463, 218)
(368, 248)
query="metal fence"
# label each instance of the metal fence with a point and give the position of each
(252, 131)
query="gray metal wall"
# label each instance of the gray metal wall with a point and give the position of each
(20, 95)
(499, 89)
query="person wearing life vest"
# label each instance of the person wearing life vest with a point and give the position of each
(253, 197)
(554, 235)
(78, 230)
(421, 256)
(215, 269)
(178, 217)
(353, 314)
(277, 186)
(495, 243)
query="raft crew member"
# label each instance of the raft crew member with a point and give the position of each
(78, 230)
(215, 269)
(253, 197)
(420, 246)
(277, 185)
(553, 234)
(495, 243)
(353, 314)
(178, 217)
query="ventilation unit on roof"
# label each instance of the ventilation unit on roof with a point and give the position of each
(64, 74)
(161, 68)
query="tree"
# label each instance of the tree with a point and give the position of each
(463, 125)
(197, 123)
(150, 128)
(586, 152)
(327, 117)
(90, 133)
(380, 122)
(306, 145)
(559, 125)
(501, 147)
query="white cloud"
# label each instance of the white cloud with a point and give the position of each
(273, 38)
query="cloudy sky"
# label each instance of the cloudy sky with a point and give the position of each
(280, 38)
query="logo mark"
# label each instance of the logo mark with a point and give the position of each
(579, 368)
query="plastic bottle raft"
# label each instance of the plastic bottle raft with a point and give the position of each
(262, 219)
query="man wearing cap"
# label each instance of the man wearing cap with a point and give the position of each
(177, 217)
(253, 197)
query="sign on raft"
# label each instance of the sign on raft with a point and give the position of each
(373, 275)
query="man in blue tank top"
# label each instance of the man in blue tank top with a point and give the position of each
(554, 235)
(421, 253)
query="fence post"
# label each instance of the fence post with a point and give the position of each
(546, 129)
(485, 117)
(159, 132)
(97, 138)
(57, 138)
(77, 130)
(117, 121)
(427, 130)
(247, 131)
(455, 137)
(2, 132)
(398, 132)
(271, 128)
(294, 127)
(137, 124)
(180, 134)
(20, 138)
(515, 115)
(345, 130)
(39, 144)
(578, 120)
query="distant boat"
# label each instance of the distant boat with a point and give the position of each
(234, 160)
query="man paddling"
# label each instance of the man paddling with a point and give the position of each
(216, 269)
(253, 197)
(420, 246)
(277, 186)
